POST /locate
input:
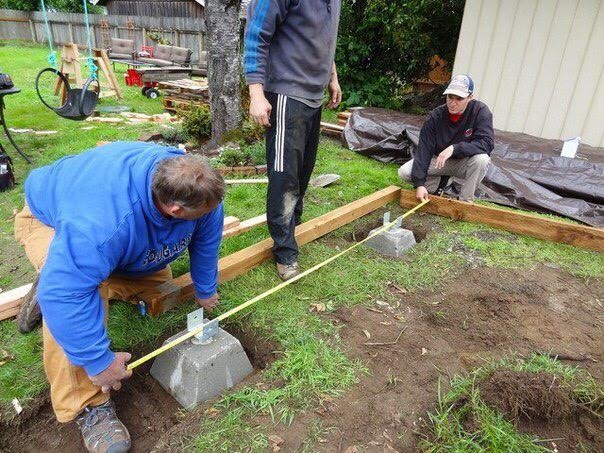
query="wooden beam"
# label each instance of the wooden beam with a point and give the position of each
(181, 289)
(230, 222)
(516, 222)
(11, 300)
(244, 226)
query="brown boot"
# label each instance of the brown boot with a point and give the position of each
(102, 431)
(287, 271)
(29, 315)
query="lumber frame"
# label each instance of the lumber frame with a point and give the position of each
(515, 222)
(181, 289)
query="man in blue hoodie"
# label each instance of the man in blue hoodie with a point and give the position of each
(104, 225)
(288, 62)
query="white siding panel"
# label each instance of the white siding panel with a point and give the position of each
(570, 67)
(587, 83)
(538, 64)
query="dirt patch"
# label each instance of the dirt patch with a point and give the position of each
(527, 396)
(419, 229)
(485, 313)
(146, 409)
(538, 405)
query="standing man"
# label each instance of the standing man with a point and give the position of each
(456, 140)
(288, 62)
(104, 225)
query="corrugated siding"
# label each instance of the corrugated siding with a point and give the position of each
(538, 64)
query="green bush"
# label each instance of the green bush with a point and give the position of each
(384, 45)
(196, 123)
(249, 133)
(236, 157)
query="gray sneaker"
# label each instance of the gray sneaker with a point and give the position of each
(29, 315)
(102, 431)
(287, 271)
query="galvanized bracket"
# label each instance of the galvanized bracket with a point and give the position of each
(195, 319)
(399, 220)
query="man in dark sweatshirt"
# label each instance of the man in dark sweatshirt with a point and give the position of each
(104, 225)
(456, 140)
(288, 63)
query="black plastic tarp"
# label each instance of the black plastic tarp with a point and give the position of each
(525, 172)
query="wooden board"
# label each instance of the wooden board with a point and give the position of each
(181, 289)
(244, 226)
(11, 300)
(516, 222)
(230, 222)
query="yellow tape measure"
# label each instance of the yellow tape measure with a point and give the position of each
(267, 293)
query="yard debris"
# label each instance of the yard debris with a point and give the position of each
(325, 180)
(104, 119)
(275, 442)
(367, 334)
(29, 131)
(6, 357)
(424, 351)
(352, 449)
(375, 310)
(17, 406)
(388, 343)
(318, 308)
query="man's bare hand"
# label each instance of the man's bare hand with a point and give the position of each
(335, 94)
(443, 156)
(113, 375)
(260, 108)
(421, 193)
(209, 303)
(334, 89)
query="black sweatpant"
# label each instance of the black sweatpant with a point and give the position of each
(291, 151)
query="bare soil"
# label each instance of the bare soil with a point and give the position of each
(483, 313)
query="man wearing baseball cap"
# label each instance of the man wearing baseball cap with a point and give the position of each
(456, 140)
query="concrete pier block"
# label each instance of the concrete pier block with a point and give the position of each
(193, 373)
(394, 242)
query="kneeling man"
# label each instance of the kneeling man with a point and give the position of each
(456, 140)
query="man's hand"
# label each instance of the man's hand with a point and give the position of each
(260, 108)
(421, 193)
(335, 92)
(443, 156)
(209, 303)
(111, 377)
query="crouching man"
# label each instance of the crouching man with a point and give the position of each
(104, 225)
(456, 140)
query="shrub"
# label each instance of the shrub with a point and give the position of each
(384, 45)
(196, 124)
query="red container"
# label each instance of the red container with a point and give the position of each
(133, 78)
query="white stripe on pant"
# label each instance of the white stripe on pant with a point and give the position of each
(280, 134)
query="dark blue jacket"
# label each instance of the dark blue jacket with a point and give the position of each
(472, 134)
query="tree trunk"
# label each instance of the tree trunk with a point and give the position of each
(224, 65)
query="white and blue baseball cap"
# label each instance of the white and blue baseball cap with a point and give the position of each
(460, 85)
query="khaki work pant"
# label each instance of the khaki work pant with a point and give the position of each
(70, 388)
(471, 170)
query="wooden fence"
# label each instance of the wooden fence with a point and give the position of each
(71, 27)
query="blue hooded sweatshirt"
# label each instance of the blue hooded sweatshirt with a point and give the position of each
(100, 205)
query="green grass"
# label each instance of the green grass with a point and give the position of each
(491, 431)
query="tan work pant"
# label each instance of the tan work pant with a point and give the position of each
(70, 388)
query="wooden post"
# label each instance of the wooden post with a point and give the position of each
(70, 33)
(144, 40)
(32, 29)
(176, 38)
(93, 33)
